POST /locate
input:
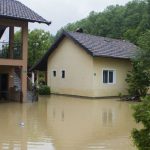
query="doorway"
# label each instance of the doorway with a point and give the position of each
(3, 86)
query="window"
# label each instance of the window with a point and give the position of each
(8, 47)
(54, 73)
(108, 76)
(63, 74)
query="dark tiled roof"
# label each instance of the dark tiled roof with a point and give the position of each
(105, 47)
(94, 45)
(13, 9)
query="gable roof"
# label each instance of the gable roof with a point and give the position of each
(96, 46)
(14, 9)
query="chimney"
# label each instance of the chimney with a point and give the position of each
(80, 30)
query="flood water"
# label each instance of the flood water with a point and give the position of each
(66, 123)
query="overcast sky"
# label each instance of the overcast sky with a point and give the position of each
(62, 12)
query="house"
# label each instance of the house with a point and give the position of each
(85, 65)
(14, 16)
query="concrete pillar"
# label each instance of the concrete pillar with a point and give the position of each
(11, 41)
(24, 57)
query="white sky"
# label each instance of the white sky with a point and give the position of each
(62, 12)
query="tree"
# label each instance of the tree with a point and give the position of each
(138, 79)
(144, 41)
(142, 115)
(17, 37)
(148, 10)
(39, 42)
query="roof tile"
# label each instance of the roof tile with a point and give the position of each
(102, 46)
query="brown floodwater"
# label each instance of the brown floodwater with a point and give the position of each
(66, 123)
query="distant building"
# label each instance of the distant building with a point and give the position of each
(14, 16)
(86, 65)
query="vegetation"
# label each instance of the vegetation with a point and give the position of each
(39, 43)
(138, 79)
(142, 115)
(44, 90)
(139, 83)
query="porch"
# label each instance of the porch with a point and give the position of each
(10, 84)
(13, 60)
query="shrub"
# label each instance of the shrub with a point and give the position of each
(138, 79)
(142, 115)
(44, 90)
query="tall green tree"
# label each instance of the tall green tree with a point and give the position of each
(39, 42)
(148, 12)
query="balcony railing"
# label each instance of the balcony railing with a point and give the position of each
(7, 52)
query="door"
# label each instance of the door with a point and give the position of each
(3, 86)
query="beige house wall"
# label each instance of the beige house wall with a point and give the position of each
(78, 65)
(84, 73)
(120, 66)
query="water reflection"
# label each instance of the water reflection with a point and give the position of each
(108, 117)
(64, 123)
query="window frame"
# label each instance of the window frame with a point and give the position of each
(114, 75)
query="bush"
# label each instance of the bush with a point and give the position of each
(142, 115)
(138, 79)
(44, 90)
